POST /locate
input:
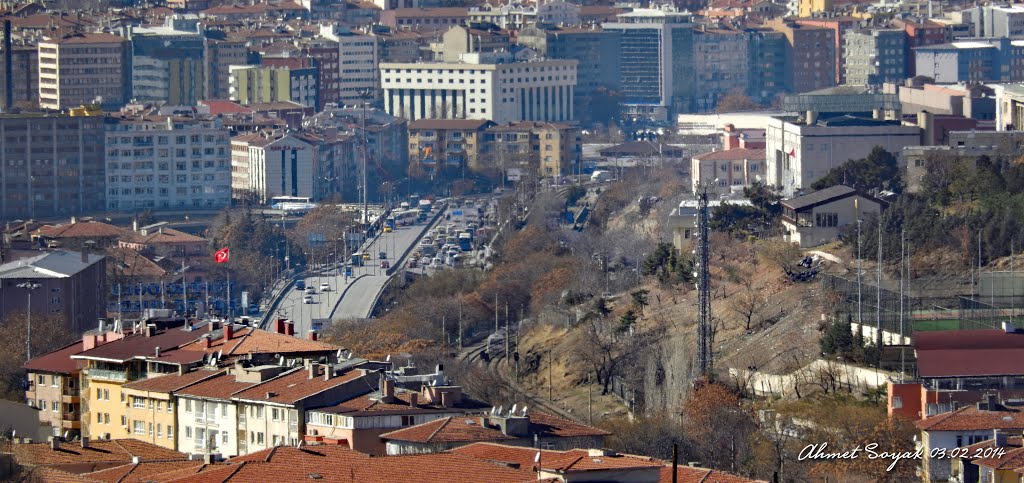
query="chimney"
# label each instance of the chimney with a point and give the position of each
(206, 342)
(211, 327)
(279, 326)
(135, 225)
(811, 118)
(878, 114)
(229, 332)
(446, 399)
(991, 402)
(312, 369)
(387, 390)
(85, 441)
(1008, 327)
(74, 220)
(54, 443)
(290, 328)
(157, 352)
(85, 256)
(312, 335)
(148, 330)
(926, 121)
(414, 399)
(327, 372)
(999, 438)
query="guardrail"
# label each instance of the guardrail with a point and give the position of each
(341, 296)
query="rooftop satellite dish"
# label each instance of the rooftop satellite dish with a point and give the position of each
(524, 410)
(493, 410)
(501, 409)
(388, 358)
(512, 412)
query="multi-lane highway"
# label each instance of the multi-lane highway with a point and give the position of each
(355, 298)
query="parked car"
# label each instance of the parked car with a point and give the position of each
(325, 287)
(307, 299)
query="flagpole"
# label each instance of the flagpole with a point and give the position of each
(184, 288)
(229, 296)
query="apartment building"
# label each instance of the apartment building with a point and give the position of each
(545, 149)
(801, 150)
(721, 58)
(424, 19)
(995, 20)
(220, 54)
(358, 59)
(875, 56)
(53, 388)
(767, 52)
(66, 284)
(167, 63)
(595, 51)
(51, 165)
(490, 86)
(81, 69)
(921, 34)
(972, 60)
(255, 84)
(167, 158)
(324, 54)
(839, 25)
(657, 70)
(810, 55)
(207, 419)
(439, 144)
(727, 171)
(266, 165)
(150, 406)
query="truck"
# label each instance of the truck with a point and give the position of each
(425, 206)
(601, 176)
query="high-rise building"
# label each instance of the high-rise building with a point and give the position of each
(50, 165)
(657, 70)
(972, 60)
(220, 55)
(24, 75)
(253, 84)
(767, 64)
(722, 60)
(266, 165)
(996, 20)
(875, 56)
(167, 158)
(482, 86)
(358, 58)
(810, 56)
(83, 69)
(167, 63)
(595, 51)
(325, 56)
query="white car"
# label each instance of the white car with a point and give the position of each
(324, 287)
(310, 291)
(308, 299)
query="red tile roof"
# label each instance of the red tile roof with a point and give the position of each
(138, 345)
(466, 429)
(971, 418)
(296, 385)
(97, 38)
(1012, 456)
(166, 235)
(339, 463)
(220, 387)
(136, 264)
(144, 471)
(225, 107)
(81, 229)
(577, 460)
(58, 361)
(952, 353)
(118, 450)
(370, 404)
(258, 341)
(172, 382)
(688, 474)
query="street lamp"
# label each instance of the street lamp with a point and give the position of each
(29, 287)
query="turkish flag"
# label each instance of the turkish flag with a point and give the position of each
(792, 152)
(221, 256)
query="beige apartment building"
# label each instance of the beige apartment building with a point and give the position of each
(82, 69)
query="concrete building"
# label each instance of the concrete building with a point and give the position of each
(220, 54)
(1009, 107)
(810, 56)
(425, 19)
(875, 56)
(436, 145)
(801, 150)
(51, 165)
(24, 75)
(167, 63)
(81, 69)
(657, 68)
(816, 218)
(839, 25)
(482, 86)
(727, 171)
(67, 286)
(324, 55)
(542, 148)
(767, 53)
(721, 60)
(266, 165)
(167, 158)
(596, 53)
(507, 16)
(972, 60)
(922, 34)
(53, 388)
(358, 59)
(995, 20)
(970, 101)
(253, 84)
(962, 146)
(459, 40)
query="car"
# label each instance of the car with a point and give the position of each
(325, 287)
(301, 285)
(436, 261)
(385, 264)
(382, 255)
(412, 263)
(307, 299)
(310, 291)
(387, 229)
(366, 256)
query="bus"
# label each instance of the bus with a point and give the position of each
(465, 241)
(407, 217)
(292, 204)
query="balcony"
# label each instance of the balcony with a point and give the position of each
(108, 375)
(71, 421)
(73, 398)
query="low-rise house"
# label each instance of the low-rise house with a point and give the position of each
(207, 419)
(514, 427)
(64, 458)
(1002, 459)
(359, 422)
(570, 465)
(727, 171)
(960, 428)
(77, 235)
(817, 218)
(150, 405)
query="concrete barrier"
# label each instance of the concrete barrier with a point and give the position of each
(342, 295)
(837, 375)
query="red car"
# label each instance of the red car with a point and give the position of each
(385, 264)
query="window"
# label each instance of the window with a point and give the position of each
(259, 438)
(99, 418)
(275, 414)
(897, 402)
(224, 437)
(106, 395)
(55, 406)
(188, 405)
(159, 406)
(41, 379)
(53, 381)
(224, 410)
(201, 436)
(276, 439)
(150, 404)
(139, 427)
(99, 393)
(138, 402)
(159, 430)
(170, 432)
(124, 420)
(826, 220)
(151, 429)
(106, 418)
(170, 408)
(408, 420)
(188, 432)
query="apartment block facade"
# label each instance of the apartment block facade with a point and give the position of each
(82, 69)
(268, 165)
(810, 56)
(596, 53)
(972, 60)
(254, 84)
(874, 57)
(358, 59)
(167, 66)
(167, 160)
(220, 54)
(722, 60)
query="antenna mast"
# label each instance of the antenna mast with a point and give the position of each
(705, 333)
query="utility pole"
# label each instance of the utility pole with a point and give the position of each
(705, 335)
(460, 324)
(550, 381)
(903, 266)
(29, 286)
(366, 210)
(878, 295)
(444, 334)
(860, 300)
(1013, 282)
(508, 339)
